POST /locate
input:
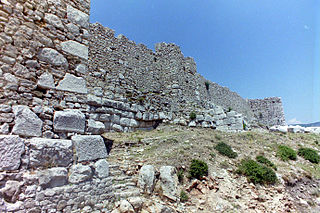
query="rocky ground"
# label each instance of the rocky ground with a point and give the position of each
(297, 189)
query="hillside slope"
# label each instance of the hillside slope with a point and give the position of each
(297, 188)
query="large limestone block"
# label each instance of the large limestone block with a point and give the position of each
(146, 180)
(27, 123)
(53, 20)
(76, 49)
(53, 177)
(72, 83)
(50, 152)
(11, 191)
(11, 149)
(89, 147)
(80, 173)
(77, 17)
(53, 57)
(169, 182)
(69, 121)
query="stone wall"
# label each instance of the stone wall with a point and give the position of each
(165, 80)
(268, 111)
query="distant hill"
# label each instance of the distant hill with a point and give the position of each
(316, 124)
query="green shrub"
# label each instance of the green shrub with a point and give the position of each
(309, 154)
(180, 175)
(226, 150)
(256, 173)
(286, 153)
(192, 115)
(207, 85)
(229, 109)
(183, 196)
(265, 161)
(198, 169)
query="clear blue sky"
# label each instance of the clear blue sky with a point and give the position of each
(256, 48)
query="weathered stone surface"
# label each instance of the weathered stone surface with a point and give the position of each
(4, 128)
(26, 122)
(72, 83)
(94, 100)
(76, 49)
(126, 207)
(77, 17)
(11, 191)
(53, 177)
(89, 147)
(169, 182)
(11, 149)
(136, 202)
(117, 128)
(53, 57)
(102, 168)
(80, 173)
(81, 68)
(69, 121)
(46, 81)
(146, 180)
(95, 127)
(128, 122)
(50, 152)
(53, 20)
(5, 108)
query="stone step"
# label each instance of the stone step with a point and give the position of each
(127, 193)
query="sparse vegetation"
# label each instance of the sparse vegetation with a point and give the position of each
(257, 173)
(225, 150)
(198, 169)
(183, 196)
(309, 154)
(265, 161)
(229, 109)
(286, 153)
(180, 175)
(207, 85)
(192, 115)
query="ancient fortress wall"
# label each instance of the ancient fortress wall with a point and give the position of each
(268, 111)
(64, 82)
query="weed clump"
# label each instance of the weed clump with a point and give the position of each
(192, 115)
(225, 150)
(207, 85)
(265, 161)
(286, 153)
(198, 169)
(309, 154)
(180, 175)
(183, 196)
(256, 173)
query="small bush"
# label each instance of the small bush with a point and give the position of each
(309, 154)
(198, 169)
(183, 196)
(207, 85)
(265, 161)
(286, 153)
(180, 175)
(192, 115)
(226, 150)
(257, 173)
(229, 109)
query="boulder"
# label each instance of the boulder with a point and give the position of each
(89, 147)
(11, 149)
(53, 177)
(27, 123)
(80, 173)
(146, 180)
(69, 121)
(296, 129)
(277, 128)
(102, 168)
(50, 152)
(71, 83)
(169, 182)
